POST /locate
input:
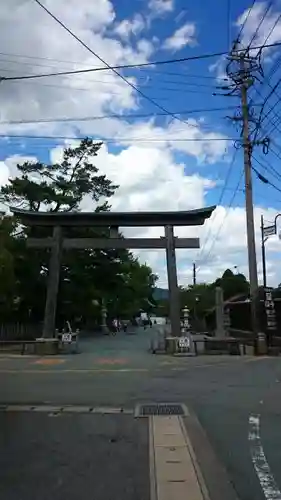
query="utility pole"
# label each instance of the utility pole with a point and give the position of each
(247, 147)
(194, 273)
(242, 77)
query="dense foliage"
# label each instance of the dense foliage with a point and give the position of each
(88, 277)
(200, 298)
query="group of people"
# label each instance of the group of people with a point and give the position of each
(118, 325)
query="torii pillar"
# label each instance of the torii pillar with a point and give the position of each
(174, 297)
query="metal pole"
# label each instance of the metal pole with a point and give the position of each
(252, 259)
(53, 285)
(275, 222)
(174, 299)
(263, 253)
(194, 273)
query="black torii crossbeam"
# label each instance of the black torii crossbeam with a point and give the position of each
(112, 220)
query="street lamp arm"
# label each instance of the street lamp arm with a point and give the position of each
(275, 221)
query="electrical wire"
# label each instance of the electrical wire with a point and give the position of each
(169, 73)
(268, 168)
(260, 23)
(261, 119)
(273, 151)
(229, 171)
(139, 65)
(148, 81)
(265, 180)
(119, 139)
(222, 223)
(270, 33)
(128, 82)
(245, 20)
(117, 116)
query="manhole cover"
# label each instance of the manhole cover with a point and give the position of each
(162, 409)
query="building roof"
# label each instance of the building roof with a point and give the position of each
(117, 219)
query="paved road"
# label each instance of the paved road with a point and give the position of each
(45, 457)
(223, 392)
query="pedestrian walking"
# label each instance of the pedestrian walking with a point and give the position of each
(114, 326)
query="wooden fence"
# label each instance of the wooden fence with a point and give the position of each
(20, 331)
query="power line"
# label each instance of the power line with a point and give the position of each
(265, 180)
(260, 119)
(223, 221)
(245, 20)
(273, 151)
(169, 73)
(121, 66)
(224, 188)
(128, 82)
(261, 21)
(146, 78)
(271, 31)
(118, 116)
(119, 139)
(139, 65)
(269, 168)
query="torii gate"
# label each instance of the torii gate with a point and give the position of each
(112, 220)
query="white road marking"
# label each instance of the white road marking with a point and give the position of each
(268, 484)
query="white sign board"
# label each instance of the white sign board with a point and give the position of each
(269, 230)
(66, 338)
(184, 343)
(143, 316)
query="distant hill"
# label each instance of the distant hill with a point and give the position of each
(160, 294)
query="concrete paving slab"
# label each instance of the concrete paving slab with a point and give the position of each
(175, 474)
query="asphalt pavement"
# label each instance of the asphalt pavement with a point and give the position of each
(45, 456)
(224, 394)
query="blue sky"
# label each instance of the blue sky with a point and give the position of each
(124, 32)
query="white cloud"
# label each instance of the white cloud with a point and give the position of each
(192, 138)
(269, 31)
(160, 7)
(26, 30)
(150, 178)
(129, 27)
(183, 36)
(4, 173)
(254, 33)
(149, 173)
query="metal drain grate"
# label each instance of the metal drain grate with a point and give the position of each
(162, 409)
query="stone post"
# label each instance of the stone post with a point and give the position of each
(219, 313)
(104, 317)
(174, 299)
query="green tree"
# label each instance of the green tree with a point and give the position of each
(232, 284)
(200, 297)
(7, 267)
(60, 186)
(86, 275)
